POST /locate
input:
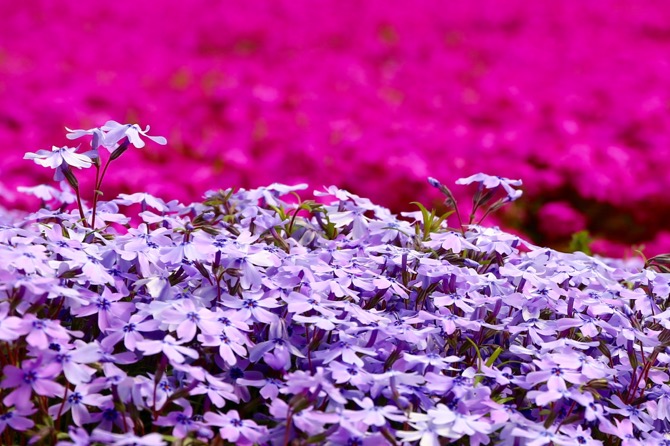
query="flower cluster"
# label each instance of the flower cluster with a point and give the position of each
(371, 97)
(258, 319)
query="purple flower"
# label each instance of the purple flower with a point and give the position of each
(77, 401)
(639, 417)
(494, 182)
(108, 308)
(31, 377)
(253, 305)
(130, 332)
(17, 419)
(218, 391)
(236, 430)
(169, 347)
(59, 156)
(188, 319)
(373, 414)
(182, 422)
(622, 429)
(9, 325)
(347, 348)
(97, 134)
(115, 132)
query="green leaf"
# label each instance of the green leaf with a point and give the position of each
(494, 356)
(581, 241)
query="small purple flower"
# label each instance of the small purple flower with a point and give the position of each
(96, 133)
(77, 401)
(182, 422)
(168, 346)
(236, 430)
(115, 132)
(17, 419)
(493, 182)
(59, 156)
(31, 377)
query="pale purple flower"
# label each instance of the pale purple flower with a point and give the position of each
(556, 375)
(350, 373)
(130, 332)
(115, 132)
(182, 422)
(309, 420)
(73, 362)
(40, 332)
(127, 439)
(77, 401)
(639, 417)
(347, 348)
(373, 414)
(425, 432)
(493, 182)
(96, 133)
(235, 430)
(48, 193)
(59, 156)
(17, 419)
(168, 346)
(576, 436)
(254, 305)
(9, 325)
(217, 390)
(144, 199)
(108, 306)
(230, 347)
(188, 319)
(31, 377)
(622, 429)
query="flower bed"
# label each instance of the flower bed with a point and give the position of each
(371, 97)
(254, 317)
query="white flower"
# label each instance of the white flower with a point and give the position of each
(96, 132)
(58, 156)
(493, 182)
(115, 132)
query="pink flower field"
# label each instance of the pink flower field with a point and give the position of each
(374, 97)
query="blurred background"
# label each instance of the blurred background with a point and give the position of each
(374, 97)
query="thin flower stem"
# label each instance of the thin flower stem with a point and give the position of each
(309, 348)
(95, 193)
(98, 185)
(289, 422)
(81, 208)
(62, 405)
